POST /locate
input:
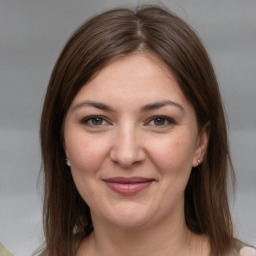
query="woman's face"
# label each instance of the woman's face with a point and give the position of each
(132, 138)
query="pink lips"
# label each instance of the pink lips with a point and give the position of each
(128, 186)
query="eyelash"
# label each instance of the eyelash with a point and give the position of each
(167, 121)
(89, 121)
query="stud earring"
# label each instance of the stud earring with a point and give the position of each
(198, 160)
(67, 162)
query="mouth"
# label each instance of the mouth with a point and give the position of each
(128, 186)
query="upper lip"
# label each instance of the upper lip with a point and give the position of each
(128, 180)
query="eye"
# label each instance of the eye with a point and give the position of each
(94, 121)
(161, 121)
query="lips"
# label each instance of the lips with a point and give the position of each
(128, 186)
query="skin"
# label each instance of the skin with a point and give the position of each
(114, 128)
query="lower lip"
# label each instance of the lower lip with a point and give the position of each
(128, 189)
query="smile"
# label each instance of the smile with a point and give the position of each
(128, 186)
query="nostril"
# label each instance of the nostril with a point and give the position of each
(127, 159)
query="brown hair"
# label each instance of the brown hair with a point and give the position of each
(103, 38)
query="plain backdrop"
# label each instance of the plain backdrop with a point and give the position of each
(32, 34)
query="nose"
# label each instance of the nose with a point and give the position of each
(127, 149)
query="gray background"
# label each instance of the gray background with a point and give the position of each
(32, 33)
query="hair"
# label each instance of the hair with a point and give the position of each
(102, 39)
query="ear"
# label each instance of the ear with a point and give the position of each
(201, 144)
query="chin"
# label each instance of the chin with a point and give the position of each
(131, 223)
(130, 216)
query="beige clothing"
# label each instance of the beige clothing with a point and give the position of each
(3, 251)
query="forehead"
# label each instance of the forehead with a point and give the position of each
(136, 76)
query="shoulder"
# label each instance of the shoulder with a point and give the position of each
(42, 253)
(243, 249)
(3, 251)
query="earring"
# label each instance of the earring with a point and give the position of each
(198, 160)
(67, 162)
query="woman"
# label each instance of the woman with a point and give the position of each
(134, 142)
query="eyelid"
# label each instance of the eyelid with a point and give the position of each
(170, 121)
(86, 120)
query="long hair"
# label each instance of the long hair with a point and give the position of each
(101, 39)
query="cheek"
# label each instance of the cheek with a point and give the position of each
(86, 157)
(86, 154)
(174, 153)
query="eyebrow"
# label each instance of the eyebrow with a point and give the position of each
(94, 104)
(161, 104)
(145, 108)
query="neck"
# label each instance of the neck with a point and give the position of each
(160, 239)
